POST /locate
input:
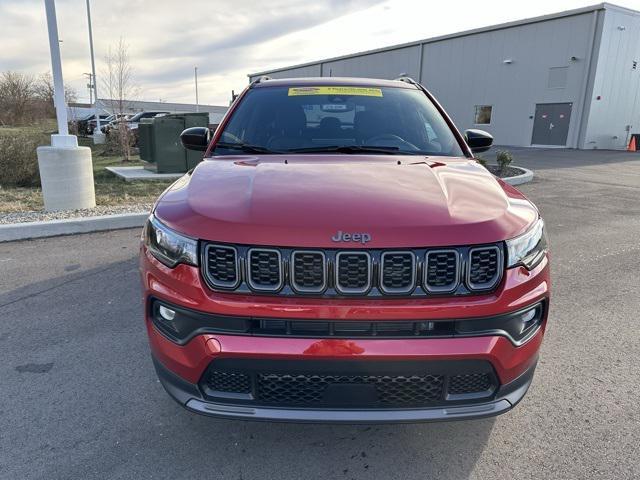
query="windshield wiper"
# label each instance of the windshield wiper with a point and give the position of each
(347, 149)
(245, 147)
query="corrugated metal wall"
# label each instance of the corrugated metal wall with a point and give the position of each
(550, 61)
(468, 71)
(617, 83)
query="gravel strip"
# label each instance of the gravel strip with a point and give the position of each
(38, 216)
(509, 171)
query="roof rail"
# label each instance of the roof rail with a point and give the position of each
(406, 79)
(260, 79)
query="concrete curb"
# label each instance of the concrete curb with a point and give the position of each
(69, 226)
(526, 177)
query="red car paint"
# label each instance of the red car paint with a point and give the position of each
(301, 201)
(185, 287)
(239, 198)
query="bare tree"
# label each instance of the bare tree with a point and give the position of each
(118, 83)
(24, 99)
(16, 98)
(43, 91)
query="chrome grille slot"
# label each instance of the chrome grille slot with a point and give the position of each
(353, 272)
(222, 266)
(485, 267)
(264, 269)
(441, 271)
(308, 271)
(397, 272)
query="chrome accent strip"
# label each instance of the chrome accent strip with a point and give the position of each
(351, 291)
(292, 277)
(205, 267)
(392, 291)
(500, 269)
(445, 289)
(259, 288)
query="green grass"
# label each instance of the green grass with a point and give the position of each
(110, 190)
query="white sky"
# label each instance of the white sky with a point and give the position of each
(229, 39)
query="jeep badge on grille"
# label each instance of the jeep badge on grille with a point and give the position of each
(351, 237)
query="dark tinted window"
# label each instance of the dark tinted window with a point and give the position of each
(290, 119)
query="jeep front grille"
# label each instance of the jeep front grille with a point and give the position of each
(265, 269)
(485, 268)
(371, 273)
(308, 271)
(398, 272)
(353, 272)
(441, 271)
(222, 266)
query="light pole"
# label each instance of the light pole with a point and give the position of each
(98, 136)
(196, 75)
(58, 83)
(66, 170)
(90, 86)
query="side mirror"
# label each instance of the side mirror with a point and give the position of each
(195, 138)
(478, 140)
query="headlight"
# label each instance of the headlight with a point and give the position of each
(168, 246)
(527, 249)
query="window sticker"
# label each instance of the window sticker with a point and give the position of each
(326, 90)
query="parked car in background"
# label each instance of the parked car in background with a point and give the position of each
(92, 124)
(133, 121)
(82, 125)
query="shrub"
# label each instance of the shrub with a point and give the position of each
(482, 161)
(120, 143)
(504, 159)
(18, 159)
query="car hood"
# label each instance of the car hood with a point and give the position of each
(304, 200)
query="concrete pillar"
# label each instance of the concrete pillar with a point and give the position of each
(66, 175)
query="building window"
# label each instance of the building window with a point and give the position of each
(557, 77)
(483, 115)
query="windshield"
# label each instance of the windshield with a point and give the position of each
(336, 119)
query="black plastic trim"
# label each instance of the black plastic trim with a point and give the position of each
(207, 323)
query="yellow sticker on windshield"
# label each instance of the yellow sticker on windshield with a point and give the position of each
(326, 90)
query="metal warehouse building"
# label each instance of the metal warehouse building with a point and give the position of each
(568, 79)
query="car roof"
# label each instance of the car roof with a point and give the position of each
(341, 81)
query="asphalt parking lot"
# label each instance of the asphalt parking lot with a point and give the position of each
(79, 396)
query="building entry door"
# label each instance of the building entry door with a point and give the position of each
(551, 124)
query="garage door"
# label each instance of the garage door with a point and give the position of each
(551, 124)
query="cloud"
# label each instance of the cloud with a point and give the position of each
(227, 39)
(166, 38)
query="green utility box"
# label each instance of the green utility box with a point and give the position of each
(145, 139)
(160, 144)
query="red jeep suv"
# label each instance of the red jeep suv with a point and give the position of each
(339, 256)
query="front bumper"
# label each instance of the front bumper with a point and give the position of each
(181, 367)
(189, 396)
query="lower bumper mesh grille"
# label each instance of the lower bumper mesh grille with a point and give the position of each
(309, 389)
(358, 385)
(229, 382)
(469, 383)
